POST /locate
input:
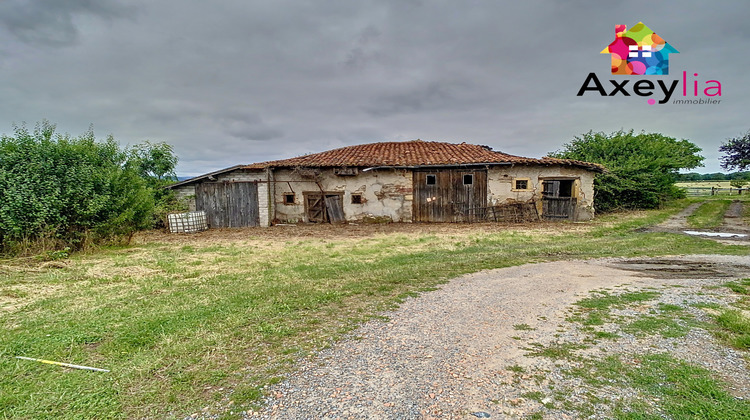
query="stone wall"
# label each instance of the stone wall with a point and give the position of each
(501, 180)
(383, 193)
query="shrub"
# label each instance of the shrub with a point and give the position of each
(71, 189)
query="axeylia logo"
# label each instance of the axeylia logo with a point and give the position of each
(641, 52)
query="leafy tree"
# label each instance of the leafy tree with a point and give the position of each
(642, 167)
(736, 153)
(70, 189)
(154, 160)
(739, 179)
(716, 176)
(739, 183)
(690, 176)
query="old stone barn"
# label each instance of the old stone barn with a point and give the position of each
(412, 181)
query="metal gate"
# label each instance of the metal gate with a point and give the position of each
(448, 195)
(228, 204)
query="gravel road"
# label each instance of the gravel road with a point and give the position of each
(447, 353)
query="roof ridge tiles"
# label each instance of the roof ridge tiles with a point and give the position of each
(413, 153)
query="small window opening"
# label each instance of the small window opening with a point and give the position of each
(356, 198)
(431, 179)
(566, 188)
(289, 198)
(468, 179)
(522, 184)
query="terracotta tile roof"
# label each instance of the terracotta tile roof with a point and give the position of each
(414, 153)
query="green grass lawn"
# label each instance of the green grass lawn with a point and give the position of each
(186, 326)
(709, 215)
(665, 386)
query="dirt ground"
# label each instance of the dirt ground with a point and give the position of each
(352, 230)
(733, 224)
(733, 219)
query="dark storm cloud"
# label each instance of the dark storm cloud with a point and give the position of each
(248, 127)
(364, 49)
(51, 22)
(419, 99)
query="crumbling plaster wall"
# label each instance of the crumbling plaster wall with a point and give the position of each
(389, 192)
(500, 182)
(385, 192)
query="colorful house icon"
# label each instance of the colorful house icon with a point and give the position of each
(639, 51)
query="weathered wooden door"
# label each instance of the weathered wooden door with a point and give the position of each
(335, 208)
(557, 200)
(315, 208)
(324, 207)
(228, 204)
(470, 194)
(448, 195)
(431, 196)
(558, 207)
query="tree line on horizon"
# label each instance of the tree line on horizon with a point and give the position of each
(714, 176)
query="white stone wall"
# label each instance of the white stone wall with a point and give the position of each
(264, 211)
(500, 182)
(384, 193)
(186, 194)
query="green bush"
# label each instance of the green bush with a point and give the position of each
(73, 190)
(642, 167)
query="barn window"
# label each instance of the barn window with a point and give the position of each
(431, 179)
(356, 198)
(521, 184)
(468, 179)
(289, 198)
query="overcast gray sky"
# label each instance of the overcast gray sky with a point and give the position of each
(240, 81)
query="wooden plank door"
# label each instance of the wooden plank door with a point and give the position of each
(432, 198)
(324, 207)
(448, 195)
(231, 204)
(469, 194)
(557, 203)
(315, 208)
(559, 207)
(335, 208)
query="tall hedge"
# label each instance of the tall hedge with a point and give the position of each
(69, 188)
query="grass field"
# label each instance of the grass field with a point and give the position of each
(709, 215)
(704, 184)
(187, 322)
